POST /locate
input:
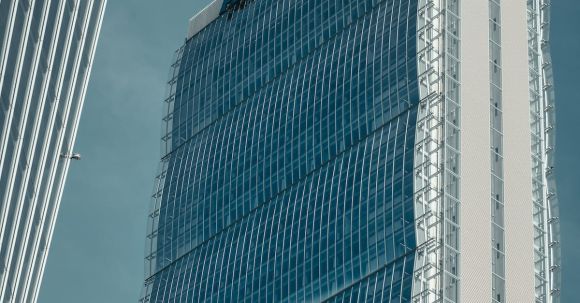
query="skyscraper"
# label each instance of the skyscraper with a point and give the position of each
(358, 151)
(46, 54)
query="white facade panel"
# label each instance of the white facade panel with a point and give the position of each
(475, 237)
(519, 234)
(205, 17)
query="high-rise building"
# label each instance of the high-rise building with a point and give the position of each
(358, 151)
(46, 54)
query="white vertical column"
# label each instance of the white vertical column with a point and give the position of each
(475, 261)
(519, 232)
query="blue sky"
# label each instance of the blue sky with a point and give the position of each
(99, 241)
(565, 50)
(98, 246)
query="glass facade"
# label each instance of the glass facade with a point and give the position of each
(46, 54)
(288, 161)
(315, 151)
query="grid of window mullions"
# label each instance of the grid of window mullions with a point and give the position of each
(237, 120)
(226, 125)
(296, 195)
(377, 287)
(190, 73)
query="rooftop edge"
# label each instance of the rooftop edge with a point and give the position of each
(204, 17)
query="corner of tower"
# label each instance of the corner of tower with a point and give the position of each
(204, 17)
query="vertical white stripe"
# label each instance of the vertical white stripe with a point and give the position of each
(9, 225)
(475, 171)
(518, 180)
(28, 233)
(59, 184)
(19, 197)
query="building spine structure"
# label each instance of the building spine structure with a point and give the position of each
(547, 255)
(46, 54)
(437, 153)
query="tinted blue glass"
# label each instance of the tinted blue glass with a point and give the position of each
(290, 174)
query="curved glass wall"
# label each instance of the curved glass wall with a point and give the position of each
(288, 163)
